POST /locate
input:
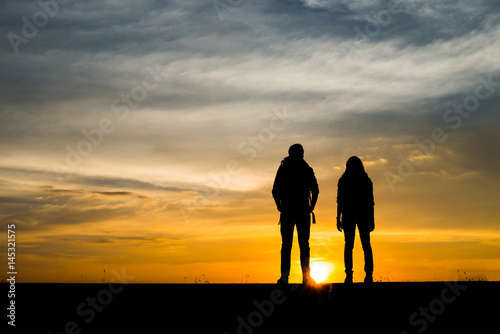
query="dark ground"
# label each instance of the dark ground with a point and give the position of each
(437, 307)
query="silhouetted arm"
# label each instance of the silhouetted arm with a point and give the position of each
(339, 210)
(278, 203)
(340, 202)
(372, 218)
(314, 190)
(314, 199)
(372, 209)
(339, 221)
(276, 190)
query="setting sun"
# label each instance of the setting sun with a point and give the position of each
(321, 271)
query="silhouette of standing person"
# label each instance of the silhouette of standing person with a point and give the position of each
(355, 206)
(295, 192)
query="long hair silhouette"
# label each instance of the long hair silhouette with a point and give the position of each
(355, 208)
(354, 168)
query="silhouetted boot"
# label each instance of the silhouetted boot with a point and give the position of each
(283, 280)
(304, 264)
(308, 280)
(348, 277)
(369, 277)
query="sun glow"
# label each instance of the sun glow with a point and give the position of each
(321, 271)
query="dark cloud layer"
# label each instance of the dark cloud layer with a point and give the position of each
(269, 53)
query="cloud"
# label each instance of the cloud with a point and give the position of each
(51, 189)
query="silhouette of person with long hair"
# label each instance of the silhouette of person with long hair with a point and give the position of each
(355, 206)
(295, 192)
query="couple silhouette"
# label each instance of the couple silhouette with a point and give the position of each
(295, 192)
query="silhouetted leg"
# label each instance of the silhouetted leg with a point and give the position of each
(349, 234)
(287, 226)
(364, 234)
(303, 232)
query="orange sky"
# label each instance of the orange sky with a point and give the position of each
(73, 234)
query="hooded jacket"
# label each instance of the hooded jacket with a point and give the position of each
(293, 185)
